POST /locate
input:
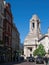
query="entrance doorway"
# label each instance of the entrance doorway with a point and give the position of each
(30, 55)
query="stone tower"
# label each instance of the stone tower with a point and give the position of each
(32, 37)
(35, 25)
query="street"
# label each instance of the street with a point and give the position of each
(23, 63)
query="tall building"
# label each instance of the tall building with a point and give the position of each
(7, 25)
(34, 37)
(1, 17)
(1, 29)
(7, 29)
(9, 35)
(15, 39)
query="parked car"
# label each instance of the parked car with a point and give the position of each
(31, 59)
(39, 60)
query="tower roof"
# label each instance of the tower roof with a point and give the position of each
(34, 17)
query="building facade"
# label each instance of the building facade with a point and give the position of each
(34, 37)
(7, 25)
(1, 27)
(9, 35)
(7, 30)
(15, 42)
(1, 17)
(15, 38)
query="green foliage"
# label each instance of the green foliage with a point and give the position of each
(39, 51)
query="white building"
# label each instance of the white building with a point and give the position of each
(34, 37)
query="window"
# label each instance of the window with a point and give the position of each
(9, 28)
(33, 25)
(30, 55)
(6, 40)
(0, 21)
(0, 34)
(30, 49)
(0, 7)
(37, 25)
(8, 17)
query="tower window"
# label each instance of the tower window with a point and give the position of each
(37, 25)
(30, 49)
(33, 25)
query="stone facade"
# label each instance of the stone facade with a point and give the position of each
(45, 42)
(34, 37)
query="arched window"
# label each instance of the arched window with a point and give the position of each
(38, 25)
(33, 25)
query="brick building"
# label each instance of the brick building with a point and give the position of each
(8, 41)
(7, 29)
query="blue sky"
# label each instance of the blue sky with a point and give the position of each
(23, 10)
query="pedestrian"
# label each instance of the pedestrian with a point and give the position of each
(46, 60)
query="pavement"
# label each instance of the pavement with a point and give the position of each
(22, 63)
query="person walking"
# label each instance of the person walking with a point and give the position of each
(46, 60)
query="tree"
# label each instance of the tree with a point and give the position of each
(39, 51)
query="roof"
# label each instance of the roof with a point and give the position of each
(34, 17)
(42, 37)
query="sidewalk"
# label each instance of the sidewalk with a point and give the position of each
(9, 63)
